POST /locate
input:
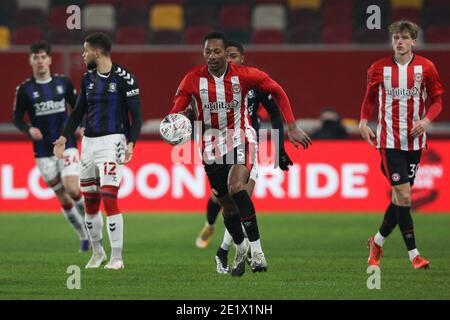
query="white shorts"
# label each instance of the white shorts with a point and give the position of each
(101, 161)
(53, 170)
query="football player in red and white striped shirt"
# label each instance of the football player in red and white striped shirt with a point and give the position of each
(217, 93)
(402, 83)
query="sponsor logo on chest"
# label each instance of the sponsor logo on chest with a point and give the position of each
(45, 108)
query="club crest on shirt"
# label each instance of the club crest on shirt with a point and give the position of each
(60, 89)
(236, 88)
(35, 94)
(395, 177)
(112, 87)
(418, 77)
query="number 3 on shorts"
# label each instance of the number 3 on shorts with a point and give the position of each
(413, 170)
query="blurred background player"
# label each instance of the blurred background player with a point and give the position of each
(403, 82)
(44, 97)
(108, 93)
(235, 54)
(218, 90)
(331, 127)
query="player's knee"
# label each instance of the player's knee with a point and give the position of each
(236, 187)
(72, 190)
(109, 196)
(402, 197)
(63, 197)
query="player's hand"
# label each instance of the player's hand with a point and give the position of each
(59, 146)
(129, 152)
(284, 161)
(420, 127)
(298, 136)
(35, 133)
(366, 132)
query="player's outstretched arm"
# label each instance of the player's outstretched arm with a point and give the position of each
(296, 135)
(283, 160)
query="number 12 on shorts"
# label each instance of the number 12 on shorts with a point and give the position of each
(109, 168)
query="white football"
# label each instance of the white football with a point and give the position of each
(175, 129)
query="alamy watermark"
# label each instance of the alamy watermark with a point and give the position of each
(73, 22)
(374, 20)
(74, 280)
(374, 280)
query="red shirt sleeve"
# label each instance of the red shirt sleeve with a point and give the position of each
(368, 105)
(434, 90)
(433, 82)
(261, 80)
(435, 107)
(182, 97)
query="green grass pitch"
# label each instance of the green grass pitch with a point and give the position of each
(310, 256)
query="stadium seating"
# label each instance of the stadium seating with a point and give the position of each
(165, 37)
(131, 35)
(135, 4)
(235, 16)
(411, 14)
(5, 18)
(57, 18)
(27, 35)
(416, 4)
(204, 15)
(339, 34)
(99, 17)
(65, 37)
(29, 17)
(5, 37)
(195, 35)
(166, 17)
(131, 16)
(366, 36)
(304, 4)
(239, 35)
(42, 5)
(267, 37)
(251, 21)
(269, 17)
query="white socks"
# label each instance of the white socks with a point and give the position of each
(227, 240)
(379, 239)
(94, 225)
(256, 246)
(76, 220)
(115, 233)
(413, 253)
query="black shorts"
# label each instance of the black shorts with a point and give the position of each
(399, 166)
(218, 170)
